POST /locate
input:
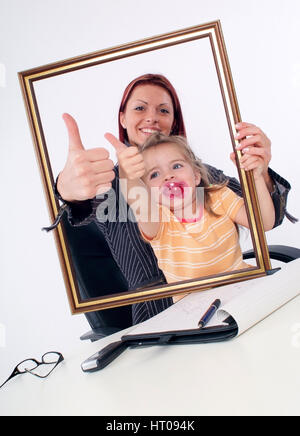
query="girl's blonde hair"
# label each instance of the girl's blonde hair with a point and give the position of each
(196, 163)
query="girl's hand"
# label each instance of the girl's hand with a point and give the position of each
(256, 150)
(130, 160)
(252, 162)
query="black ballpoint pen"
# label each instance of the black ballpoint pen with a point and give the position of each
(209, 313)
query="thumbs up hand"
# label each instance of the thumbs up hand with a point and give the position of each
(86, 172)
(131, 161)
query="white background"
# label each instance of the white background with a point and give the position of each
(92, 95)
(262, 38)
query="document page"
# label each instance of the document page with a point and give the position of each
(261, 297)
(186, 313)
(247, 302)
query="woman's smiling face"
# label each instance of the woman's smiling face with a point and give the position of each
(148, 110)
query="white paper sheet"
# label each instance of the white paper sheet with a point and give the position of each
(247, 302)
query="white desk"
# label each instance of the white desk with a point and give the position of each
(254, 374)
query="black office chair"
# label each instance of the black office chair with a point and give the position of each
(98, 274)
(283, 253)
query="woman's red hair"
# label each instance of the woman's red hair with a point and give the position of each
(178, 127)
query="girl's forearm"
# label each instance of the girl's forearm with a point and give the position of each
(265, 203)
(139, 199)
(134, 191)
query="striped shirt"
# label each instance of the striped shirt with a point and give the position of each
(209, 246)
(135, 257)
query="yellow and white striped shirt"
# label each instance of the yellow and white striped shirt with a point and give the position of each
(209, 246)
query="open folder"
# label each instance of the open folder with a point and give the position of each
(243, 305)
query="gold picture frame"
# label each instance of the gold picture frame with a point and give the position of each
(213, 33)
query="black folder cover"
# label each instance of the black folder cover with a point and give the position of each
(200, 335)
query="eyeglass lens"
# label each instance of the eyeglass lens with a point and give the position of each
(51, 357)
(27, 365)
(48, 362)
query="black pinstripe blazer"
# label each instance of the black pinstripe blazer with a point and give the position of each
(135, 257)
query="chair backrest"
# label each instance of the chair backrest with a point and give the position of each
(97, 274)
(282, 253)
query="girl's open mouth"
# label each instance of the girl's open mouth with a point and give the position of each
(174, 189)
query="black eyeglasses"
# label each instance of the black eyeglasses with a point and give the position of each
(30, 365)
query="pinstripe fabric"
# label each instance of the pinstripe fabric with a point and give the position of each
(135, 257)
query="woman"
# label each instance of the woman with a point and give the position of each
(149, 104)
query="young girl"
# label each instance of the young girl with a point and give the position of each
(206, 241)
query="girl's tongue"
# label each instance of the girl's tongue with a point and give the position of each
(174, 189)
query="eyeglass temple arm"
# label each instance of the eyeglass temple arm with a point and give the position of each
(13, 374)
